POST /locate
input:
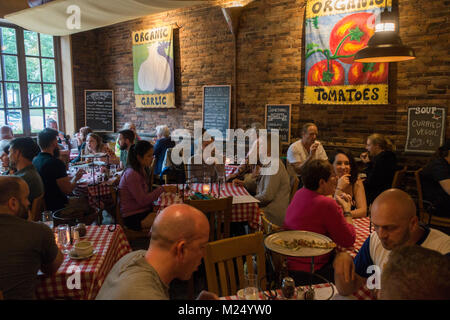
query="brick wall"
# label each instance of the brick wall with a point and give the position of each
(269, 69)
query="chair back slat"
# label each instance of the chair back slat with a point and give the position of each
(223, 276)
(398, 177)
(218, 212)
(223, 281)
(232, 275)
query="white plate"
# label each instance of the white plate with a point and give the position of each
(74, 256)
(82, 180)
(296, 234)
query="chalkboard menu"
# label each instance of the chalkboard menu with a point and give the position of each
(216, 108)
(426, 129)
(99, 110)
(278, 116)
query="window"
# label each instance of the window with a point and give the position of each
(29, 80)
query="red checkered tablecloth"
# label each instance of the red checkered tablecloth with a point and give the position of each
(362, 226)
(241, 212)
(98, 194)
(109, 248)
(230, 169)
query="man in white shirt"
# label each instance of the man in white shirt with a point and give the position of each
(393, 216)
(306, 149)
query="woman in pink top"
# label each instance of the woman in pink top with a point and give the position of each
(136, 200)
(314, 209)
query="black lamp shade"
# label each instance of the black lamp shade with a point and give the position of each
(385, 46)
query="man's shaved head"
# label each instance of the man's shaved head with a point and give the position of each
(395, 202)
(178, 222)
(393, 215)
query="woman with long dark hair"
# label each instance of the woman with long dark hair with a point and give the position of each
(348, 182)
(136, 200)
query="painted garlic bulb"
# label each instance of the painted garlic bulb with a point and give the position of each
(154, 73)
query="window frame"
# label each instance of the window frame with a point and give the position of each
(23, 81)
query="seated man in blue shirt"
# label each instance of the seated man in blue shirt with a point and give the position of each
(395, 222)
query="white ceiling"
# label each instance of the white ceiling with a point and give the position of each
(53, 17)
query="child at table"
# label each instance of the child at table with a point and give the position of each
(136, 200)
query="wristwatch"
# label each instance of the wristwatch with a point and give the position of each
(347, 214)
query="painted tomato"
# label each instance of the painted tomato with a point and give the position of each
(371, 73)
(351, 34)
(318, 75)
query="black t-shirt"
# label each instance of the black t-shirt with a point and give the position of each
(51, 169)
(437, 170)
(380, 172)
(24, 247)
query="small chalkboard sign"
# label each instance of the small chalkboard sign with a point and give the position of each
(278, 116)
(216, 108)
(426, 129)
(99, 110)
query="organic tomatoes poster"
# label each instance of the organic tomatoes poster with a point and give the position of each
(335, 30)
(153, 68)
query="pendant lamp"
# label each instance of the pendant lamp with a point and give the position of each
(385, 45)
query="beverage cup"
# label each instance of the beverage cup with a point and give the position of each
(47, 218)
(84, 248)
(251, 287)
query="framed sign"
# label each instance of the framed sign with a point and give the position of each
(99, 110)
(216, 108)
(278, 116)
(426, 129)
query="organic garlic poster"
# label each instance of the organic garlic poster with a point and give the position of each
(153, 68)
(335, 30)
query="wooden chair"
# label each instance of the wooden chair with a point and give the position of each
(424, 216)
(218, 212)
(268, 227)
(294, 186)
(37, 207)
(398, 177)
(276, 260)
(224, 263)
(129, 233)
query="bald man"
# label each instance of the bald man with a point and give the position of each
(25, 247)
(179, 237)
(393, 215)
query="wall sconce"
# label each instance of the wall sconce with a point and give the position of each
(385, 45)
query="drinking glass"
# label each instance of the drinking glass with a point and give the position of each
(222, 181)
(112, 169)
(64, 237)
(47, 218)
(251, 286)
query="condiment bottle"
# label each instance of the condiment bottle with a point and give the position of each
(288, 287)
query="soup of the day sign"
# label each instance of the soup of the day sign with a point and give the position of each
(335, 31)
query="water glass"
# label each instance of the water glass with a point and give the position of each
(112, 169)
(251, 286)
(64, 237)
(47, 218)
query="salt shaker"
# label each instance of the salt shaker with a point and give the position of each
(288, 287)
